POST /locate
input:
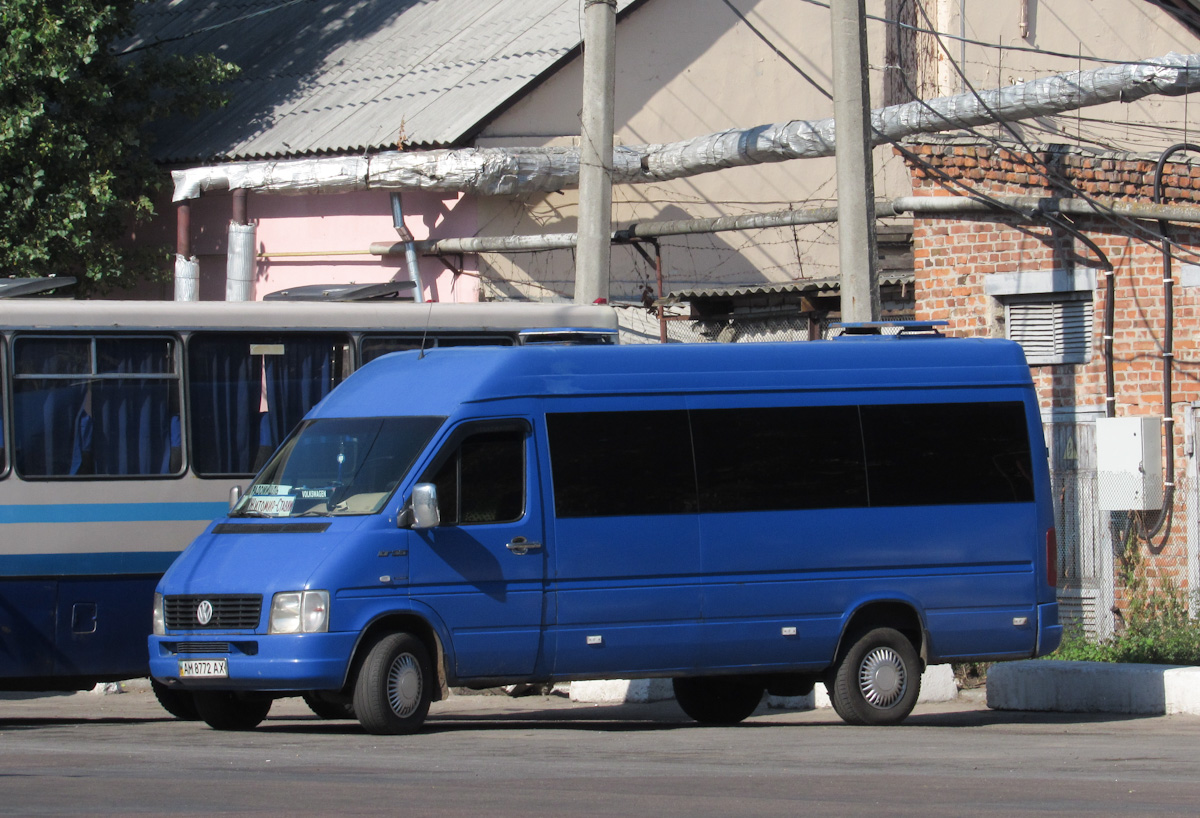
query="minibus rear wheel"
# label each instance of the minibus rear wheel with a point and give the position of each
(717, 699)
(878, 680)
(395, 686)
(228, 710)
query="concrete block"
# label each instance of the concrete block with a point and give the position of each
(808, 702)
(937, 685)
(1093, 687)
(617, 691)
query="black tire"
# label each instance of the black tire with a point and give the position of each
(878, 680)
(328, 707)
(717, 699)
(227, 710)
(395, 686)
(179, 703)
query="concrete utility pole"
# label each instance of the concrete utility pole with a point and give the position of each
(596, 151)
(855, 170)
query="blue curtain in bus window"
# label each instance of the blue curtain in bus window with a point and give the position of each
(296, 382)
(225, 383)
(46, 420)
(131, 416)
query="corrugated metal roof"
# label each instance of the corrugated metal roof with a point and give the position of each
(345, 76)
(815, 285)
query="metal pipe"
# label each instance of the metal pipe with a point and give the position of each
(187, 266)
(914, 205)
(639, 230)
(410, 251)
(240, 263)
(239, 206)
(183, 229)
(1168, 353)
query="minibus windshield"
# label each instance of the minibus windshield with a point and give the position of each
(337, 466)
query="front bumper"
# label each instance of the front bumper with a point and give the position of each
(274, 662)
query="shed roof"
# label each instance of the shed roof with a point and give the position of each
(812, 286)
(347, 76)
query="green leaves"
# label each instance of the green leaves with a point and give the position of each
(75, 169)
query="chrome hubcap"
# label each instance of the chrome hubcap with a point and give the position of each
(404, 685)
(881, 677)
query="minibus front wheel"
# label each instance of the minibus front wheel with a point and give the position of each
(229, 710)
(878, 679)
(717, 699)
(395, 686)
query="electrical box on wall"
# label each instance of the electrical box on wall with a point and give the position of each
(1129, 463)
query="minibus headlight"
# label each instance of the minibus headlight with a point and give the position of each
(299, 612)
(160, 620)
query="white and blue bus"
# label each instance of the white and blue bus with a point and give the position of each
(125, 426)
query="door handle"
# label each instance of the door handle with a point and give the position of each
(521, 546)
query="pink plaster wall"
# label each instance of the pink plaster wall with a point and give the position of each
(334, 231)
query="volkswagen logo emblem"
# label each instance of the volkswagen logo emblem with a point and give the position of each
(204, 612)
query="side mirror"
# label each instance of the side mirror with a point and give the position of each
(235, 496)
(424, 506)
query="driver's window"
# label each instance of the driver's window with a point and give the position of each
(484, 480)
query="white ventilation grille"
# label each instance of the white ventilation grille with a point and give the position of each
(1052, 332)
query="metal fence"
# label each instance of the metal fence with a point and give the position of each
(1097, 546)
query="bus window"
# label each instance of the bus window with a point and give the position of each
(375, 345)
(4, 424)
(88, 406)
(247, 391)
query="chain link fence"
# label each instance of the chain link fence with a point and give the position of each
(1097, 545)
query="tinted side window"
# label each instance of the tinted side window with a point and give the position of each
(610, 464)
(779, 458)
(945, 453)
(484, 480)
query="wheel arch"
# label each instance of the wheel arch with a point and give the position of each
(400, 622)
(900, 614)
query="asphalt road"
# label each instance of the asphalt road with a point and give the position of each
(495, 756)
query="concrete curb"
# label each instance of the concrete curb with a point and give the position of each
(937, 685)
(1094, 687)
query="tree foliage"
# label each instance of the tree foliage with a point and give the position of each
(75, 166)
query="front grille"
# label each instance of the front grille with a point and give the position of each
(229, 611)
(270, 528)
(202, 647)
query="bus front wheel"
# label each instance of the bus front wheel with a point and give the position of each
(878, 679)
(395, 686)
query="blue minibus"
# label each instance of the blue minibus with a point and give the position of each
(741, 519)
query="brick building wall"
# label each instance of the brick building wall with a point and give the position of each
(955, 255)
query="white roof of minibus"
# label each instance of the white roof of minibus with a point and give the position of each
(52, 314)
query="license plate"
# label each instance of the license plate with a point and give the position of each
(204, 669)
